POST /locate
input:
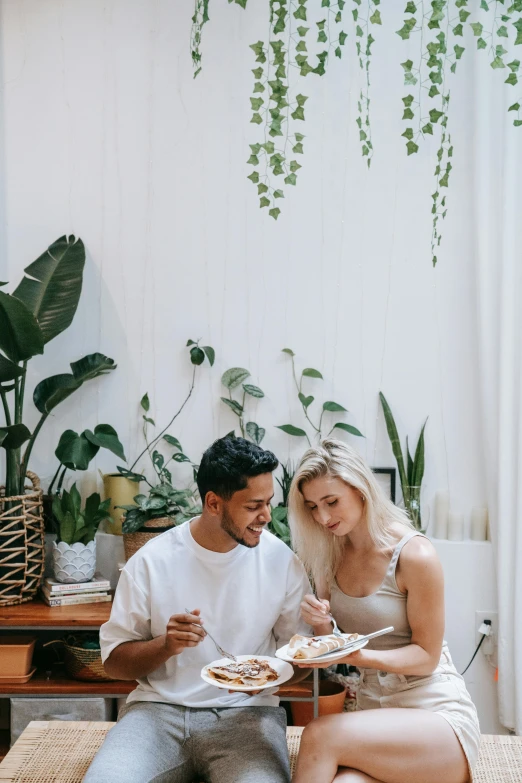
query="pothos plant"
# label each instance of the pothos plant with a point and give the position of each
(306, 402)
(232, 380)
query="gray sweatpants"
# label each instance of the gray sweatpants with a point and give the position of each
(166, 743)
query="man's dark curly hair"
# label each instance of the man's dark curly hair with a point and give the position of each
(227, 465)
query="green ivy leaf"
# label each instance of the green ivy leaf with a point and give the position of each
(511, 79)
(298, 148)
(481, 44)
(408, 100)
(298, 114)
(433, 91)
(295, 166)
(435, 115)
(301, 47)
(269, 147)
(412, 147)
(278, 194)
(484, 5)
(291, 179)
(518, 27)
(459, 51)
(408, 114)
(517, 123)
(463, 15)
(262, 188)
(428, 128)
(477, 28)
(258, 73)
(300, 13)
(375, 18)
(309, 372)
(264, 202)
(256, 118)
(253, 160)
(458, 30)
(408, 133)
(275, 212)
(254, 177)
(514, 107)
(342, 38)
(498, 62)
(258, 87)
(514, 65)
(502, 32)
(302, 31)
(291, 430)
(322, 37)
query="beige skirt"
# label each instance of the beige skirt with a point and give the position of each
(443, 692)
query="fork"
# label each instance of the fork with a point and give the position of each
(220, 650)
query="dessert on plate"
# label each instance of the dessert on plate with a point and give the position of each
(301, 647)
(255, 672)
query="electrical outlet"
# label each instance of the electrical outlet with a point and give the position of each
(489, 643)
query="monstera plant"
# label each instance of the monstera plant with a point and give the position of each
(41, 307)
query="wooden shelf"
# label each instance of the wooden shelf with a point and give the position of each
(36, 614)
(60, 684)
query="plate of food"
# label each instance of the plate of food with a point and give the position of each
(325, 648)
(249, 673)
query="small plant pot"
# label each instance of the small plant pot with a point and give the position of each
(121, 491)
(331, 701)
(155, 527)
(74, 562)
(16, 655)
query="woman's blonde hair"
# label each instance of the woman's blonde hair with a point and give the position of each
(320, 551)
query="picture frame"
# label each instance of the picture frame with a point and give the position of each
(387, 479)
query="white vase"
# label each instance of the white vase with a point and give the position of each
(74, 562)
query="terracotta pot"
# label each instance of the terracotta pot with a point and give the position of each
(331, 701)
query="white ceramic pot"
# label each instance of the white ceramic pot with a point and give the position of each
(74, 562)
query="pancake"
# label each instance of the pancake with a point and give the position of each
(304, 647)
(253, 672)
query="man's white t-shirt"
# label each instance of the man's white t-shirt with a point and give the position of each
(249, 599)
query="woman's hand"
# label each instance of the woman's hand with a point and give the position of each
(316, 612)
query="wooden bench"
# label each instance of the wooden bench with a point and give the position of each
(61, 752)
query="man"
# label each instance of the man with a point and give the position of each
(246, 586)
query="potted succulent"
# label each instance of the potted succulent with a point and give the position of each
(152, 514)
(41, 307)
(74, 551)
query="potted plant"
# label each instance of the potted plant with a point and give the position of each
(152, 514)
(279, 522)
(411, 473)
(40, 308)
(124, 485)
(74, 551)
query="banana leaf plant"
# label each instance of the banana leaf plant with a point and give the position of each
(411, 471)
(39, 309)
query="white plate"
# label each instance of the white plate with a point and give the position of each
(284, 670)
(333, 656)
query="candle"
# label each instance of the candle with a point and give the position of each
(479, 523)
(455, 526)
(440, 529)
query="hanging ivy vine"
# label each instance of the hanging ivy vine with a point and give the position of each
(298, 46)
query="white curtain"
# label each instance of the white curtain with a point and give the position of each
(497, 194)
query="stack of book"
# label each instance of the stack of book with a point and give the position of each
(60, 594)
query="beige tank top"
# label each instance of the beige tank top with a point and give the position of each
(387, 606)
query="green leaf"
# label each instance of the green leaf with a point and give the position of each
(342, 38)
(418, 461)
(305, 401)
(262, 188)
(197, 356)
(253, 160)
(459, 51)
(291, 179)
(300, 13)
(20, 335)
(254, 391)
(234, 377)
(408, 133)
(408, 114)
(291, 430)
(106, 437)
(255, 432)
(512, 79)
(477, 28)
(295, 166)
(309, 372)
(433, 91)
(288, 351)
(172, 441)
(67, 528)
(13, 436)
(514, 107)
(412, 147)
(302, 31)
(333, 407)
(497, 63)
(274, 212)
(149, 420)
(481, 44)
(428, 128)
(256, 118)
(52, 285)
(145, 402)
(254, 177)
(375, 18)
(233, 405)
(75, 451)
(9, 370)
(52, 391)
(435, 115)
(502, 32)
(396, 445)
(264, 202)
(517, 123)
(348, 428)
(458, 30)
(278, 194)
(514, 65)
(258, 73)
(211, 354)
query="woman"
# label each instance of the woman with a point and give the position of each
(371, 570)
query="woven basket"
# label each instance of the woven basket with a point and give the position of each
(82, 664)
(155, 527)
(22, 555)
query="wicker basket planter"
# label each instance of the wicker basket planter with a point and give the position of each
(155, 527)
(21, 544)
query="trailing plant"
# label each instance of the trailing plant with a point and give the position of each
(76, 451)
(411, 471)
(199, 18)
(306, 402)
(158, 461)
(233, 379)
(364, 16)
(39, 309)
(77, 524)
(162, 501)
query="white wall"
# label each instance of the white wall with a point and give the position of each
(106, 135)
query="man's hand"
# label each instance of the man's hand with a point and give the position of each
(184, 630)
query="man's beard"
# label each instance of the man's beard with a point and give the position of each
(228, 525)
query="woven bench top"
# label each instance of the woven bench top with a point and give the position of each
(61, 752)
